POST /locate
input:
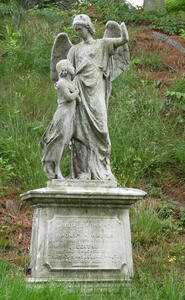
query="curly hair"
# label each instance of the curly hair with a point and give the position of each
(65, 64)
(85, 21)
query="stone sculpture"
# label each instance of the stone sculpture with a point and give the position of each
(96, 63)
(81, 228)
(59, 131)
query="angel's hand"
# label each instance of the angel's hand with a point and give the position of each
(124, 32)
(115, 34)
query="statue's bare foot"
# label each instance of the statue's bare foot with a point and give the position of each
(84, 176)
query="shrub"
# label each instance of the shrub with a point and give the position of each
(174, 5)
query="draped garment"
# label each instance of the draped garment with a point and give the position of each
(91, 143)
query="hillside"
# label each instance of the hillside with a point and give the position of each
(146, 123)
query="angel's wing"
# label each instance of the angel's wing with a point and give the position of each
(59, 51)
(120, 59)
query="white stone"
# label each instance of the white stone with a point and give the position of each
(83, 89)
(81, 234)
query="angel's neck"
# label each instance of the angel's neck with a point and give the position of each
(88, 40)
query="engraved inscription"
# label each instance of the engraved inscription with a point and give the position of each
(84, 243)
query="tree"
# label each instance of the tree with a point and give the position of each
(154, 4)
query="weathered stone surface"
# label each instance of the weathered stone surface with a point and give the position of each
(60, 129)
(92, 243)
(96, 63)
(83, 196)
(56, 183)
(81, 233)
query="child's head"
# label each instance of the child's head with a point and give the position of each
(64, 67)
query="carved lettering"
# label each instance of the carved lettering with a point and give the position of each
(84, 243)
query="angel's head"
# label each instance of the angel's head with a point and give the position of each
(64, 67)
(83, 21)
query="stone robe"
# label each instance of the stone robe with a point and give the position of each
(91, 143)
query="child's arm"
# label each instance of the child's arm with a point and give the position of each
(69, 96)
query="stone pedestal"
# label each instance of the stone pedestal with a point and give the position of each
(81, 232)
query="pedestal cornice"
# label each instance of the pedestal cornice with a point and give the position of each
(83, 196)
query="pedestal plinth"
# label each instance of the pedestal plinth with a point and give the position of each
(81, 232)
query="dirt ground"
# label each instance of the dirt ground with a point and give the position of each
(173, 62)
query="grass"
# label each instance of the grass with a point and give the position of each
(141, 122)
(138, 127)
(146, 130)
(140, 132)
(142, 286)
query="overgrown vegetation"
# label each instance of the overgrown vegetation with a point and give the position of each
(146, 123)
(26, 112)
(175, 6)
(168, 21)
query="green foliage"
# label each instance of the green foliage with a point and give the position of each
(176, 97)
(12, 13)
(25, 114)
(182, 34)
(119, 11)
(5, 243)
(156, 20)
(139, 132)
(147, 227)
(179, 84)
(143, 285)
(7, 160)
(174, 5)
(168, 24)
(146, 135)
(168, 209)
(181, 221)
(152, 62)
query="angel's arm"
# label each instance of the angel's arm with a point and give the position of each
(118, 41)
(71, 56)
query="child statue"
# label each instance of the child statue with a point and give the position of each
(60, 130)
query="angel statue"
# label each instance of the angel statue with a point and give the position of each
(96, 63)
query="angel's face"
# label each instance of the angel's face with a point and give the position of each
(82, 31)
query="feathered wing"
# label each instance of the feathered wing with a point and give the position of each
(59, 51)
(120, 59)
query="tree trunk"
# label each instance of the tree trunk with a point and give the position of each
(154, 4)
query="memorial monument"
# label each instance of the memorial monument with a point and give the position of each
(81, 228)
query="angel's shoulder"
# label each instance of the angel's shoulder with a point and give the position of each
(72, 50)
(104, 42)
(75, 47)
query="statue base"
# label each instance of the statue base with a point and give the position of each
(81, 232)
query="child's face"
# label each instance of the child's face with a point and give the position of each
(63, 72)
